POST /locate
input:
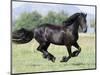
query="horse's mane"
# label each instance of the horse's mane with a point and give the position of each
(72, 18)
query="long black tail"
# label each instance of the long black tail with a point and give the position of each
(22, 36)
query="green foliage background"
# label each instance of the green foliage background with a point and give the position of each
(30, 20)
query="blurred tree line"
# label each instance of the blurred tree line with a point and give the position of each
(30, 20)
(33, 19)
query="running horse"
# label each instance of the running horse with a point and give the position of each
(65, 34)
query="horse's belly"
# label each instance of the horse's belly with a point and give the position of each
(57, 43)
(56, 39)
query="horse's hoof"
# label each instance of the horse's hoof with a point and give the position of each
(45, 56)
(64, 59)
(75, 53)
(53, 59)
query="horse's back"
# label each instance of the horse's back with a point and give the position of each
(49, 33)
(53, 34)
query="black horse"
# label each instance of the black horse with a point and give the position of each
(66, 34)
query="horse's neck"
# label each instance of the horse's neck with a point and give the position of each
(75, 27)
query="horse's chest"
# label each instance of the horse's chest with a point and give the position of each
(69, 37)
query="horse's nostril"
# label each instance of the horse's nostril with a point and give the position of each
(85, 30)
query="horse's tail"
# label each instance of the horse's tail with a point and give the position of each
(29, 35)
(26, 37)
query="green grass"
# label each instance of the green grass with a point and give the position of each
(25, 57)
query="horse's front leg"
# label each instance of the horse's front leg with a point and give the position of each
(65, 59)
(76, 53)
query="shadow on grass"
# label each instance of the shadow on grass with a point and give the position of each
(78, 64)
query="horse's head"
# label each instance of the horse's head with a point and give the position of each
(22, 36)
(79, 18)
(82, 21)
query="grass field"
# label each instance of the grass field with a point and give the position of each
(25, 57)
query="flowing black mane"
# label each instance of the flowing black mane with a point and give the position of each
(72, 18)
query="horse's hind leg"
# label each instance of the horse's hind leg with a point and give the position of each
(76, 53)
(43, 48)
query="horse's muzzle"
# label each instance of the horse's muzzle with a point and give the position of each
(85, 30)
